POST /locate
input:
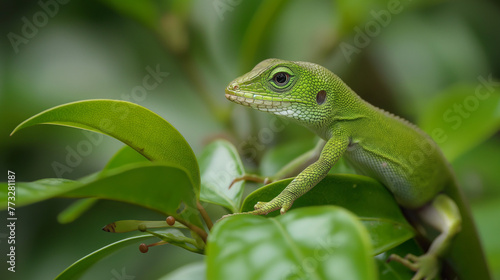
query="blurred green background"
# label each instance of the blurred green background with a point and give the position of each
(416, 59)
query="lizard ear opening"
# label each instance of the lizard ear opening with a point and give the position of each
(321, 97)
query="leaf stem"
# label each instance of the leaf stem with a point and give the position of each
(196, 229)
(205, 216)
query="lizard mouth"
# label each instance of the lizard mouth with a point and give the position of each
(264, 103)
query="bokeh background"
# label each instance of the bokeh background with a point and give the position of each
(408, 57)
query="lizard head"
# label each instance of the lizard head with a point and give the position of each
(298, 90)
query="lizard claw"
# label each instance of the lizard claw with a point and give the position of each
(284, 203)
(259, 205)
(263, 208)
(285, 207)
(425, 266)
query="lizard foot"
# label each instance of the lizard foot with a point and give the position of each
(275, 204)
(262, 208)
(425, 266)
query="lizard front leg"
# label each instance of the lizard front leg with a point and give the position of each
(308, 178)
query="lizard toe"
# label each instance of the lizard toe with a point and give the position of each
(259, 205)
(425, 266)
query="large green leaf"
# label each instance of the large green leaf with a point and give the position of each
(77, 269)
(486, 215)
(136, 126)
(219, 165)
(323, 242)
(192, 271)
(75, 210)
(368, 199)
(125, 155)
(158, 186)
(462, 118)
(31, 192)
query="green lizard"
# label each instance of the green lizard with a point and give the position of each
(377, 144)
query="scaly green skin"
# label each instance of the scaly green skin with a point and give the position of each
(376, 143)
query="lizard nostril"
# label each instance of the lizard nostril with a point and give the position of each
(234, 86)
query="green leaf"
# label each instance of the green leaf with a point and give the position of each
(126, 155)
(192, 271)
(28, 193)
(324, 242)
(75, 210)
(136, 126)
(219, 165)
(486, 215)
(368, 199)
(162, 187)
(77, 269)
(462, 117)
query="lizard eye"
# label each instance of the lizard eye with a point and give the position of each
(281, 78)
